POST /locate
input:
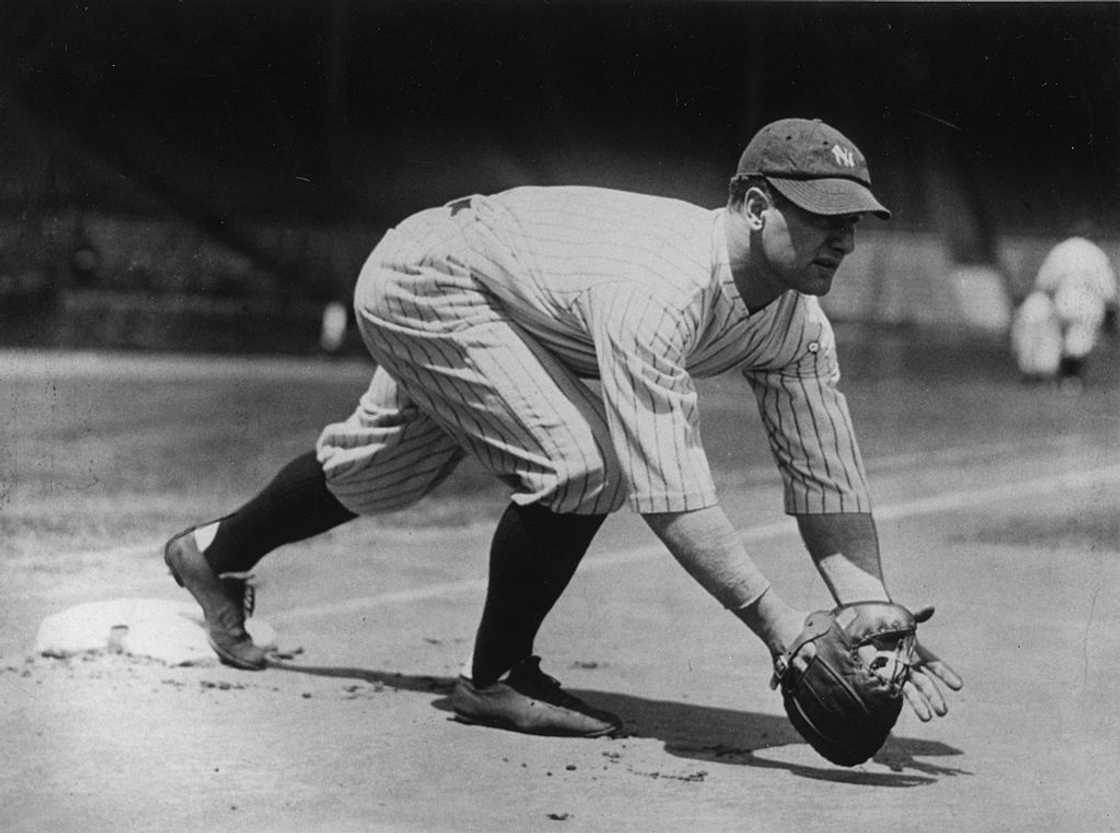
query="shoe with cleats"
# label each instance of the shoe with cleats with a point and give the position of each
(226, 601)
(528, 700)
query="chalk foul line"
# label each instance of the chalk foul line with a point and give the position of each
(945, 502)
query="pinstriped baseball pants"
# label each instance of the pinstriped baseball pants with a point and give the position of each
(456, 376)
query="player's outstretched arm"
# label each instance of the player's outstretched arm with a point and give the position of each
(845, 549)
(706, 544)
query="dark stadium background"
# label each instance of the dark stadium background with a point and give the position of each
(205, 175)
(188, 183)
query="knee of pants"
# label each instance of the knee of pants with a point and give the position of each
(589, 485)
(1079, 341)
(387, 455)
(367, 486)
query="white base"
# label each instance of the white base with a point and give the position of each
(160, 629)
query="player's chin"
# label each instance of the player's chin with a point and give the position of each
(818, 280)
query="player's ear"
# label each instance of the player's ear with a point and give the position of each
(755, 203)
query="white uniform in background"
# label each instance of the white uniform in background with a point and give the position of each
(1061, 319)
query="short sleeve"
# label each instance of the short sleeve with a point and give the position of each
(642, 339)
(808, 424)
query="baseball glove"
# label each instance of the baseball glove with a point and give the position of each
(842, 678)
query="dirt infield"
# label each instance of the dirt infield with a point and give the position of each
(996, 502)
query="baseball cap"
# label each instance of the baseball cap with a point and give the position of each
(814, 166)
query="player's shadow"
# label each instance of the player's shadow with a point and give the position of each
(702, 733)
(729, 736)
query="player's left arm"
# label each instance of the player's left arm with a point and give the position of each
(845, 550)
(844, 547)
(813, 441)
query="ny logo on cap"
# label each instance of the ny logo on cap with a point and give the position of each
(844, 156)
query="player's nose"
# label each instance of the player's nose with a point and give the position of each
(843, 239)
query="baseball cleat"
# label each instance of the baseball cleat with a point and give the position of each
(530, 701)
(226, 600)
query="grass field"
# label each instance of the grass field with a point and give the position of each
(997, 502)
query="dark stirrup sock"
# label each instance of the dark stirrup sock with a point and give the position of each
(533, 556)
(295, 505)
(1070, 367)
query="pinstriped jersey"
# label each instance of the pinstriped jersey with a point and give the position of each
(637, 291)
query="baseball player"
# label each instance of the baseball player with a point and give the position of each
(1056, 327)
(487, 315)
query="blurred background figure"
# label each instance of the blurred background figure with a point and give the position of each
(1074, 298)
(332, 333)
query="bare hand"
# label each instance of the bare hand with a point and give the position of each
(921, 690)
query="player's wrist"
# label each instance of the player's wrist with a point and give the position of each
(849, 583)
(772, 620)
